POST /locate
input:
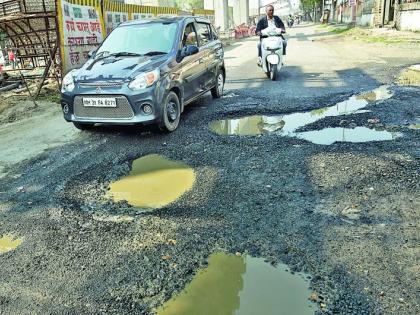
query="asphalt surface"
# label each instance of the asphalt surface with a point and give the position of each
(347, 213)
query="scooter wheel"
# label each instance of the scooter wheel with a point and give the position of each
(273, 73)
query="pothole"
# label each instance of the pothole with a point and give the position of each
(410, 76)
(153, 182)
(248, 126)
(8, 243)
(287, 125)
(242, 285)
(328, 136)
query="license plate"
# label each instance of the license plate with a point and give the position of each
(99, 102)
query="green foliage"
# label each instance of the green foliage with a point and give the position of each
(189, 4)
(308, 5)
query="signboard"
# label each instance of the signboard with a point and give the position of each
(81, 30)
(352, 3)
(142, 16)
(113, 19)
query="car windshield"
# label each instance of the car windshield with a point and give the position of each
(145, 39)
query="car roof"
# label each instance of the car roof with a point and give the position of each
(174, 19)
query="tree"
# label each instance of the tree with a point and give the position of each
(189, 4)
(309, 6)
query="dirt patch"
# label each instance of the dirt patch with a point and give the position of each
(17, 104)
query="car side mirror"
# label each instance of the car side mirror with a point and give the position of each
(92, 53)
(189, 50)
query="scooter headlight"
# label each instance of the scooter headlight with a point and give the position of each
(273, 59)
(144, 80)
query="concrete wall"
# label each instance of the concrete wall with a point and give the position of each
(365, 20)
(407, 17)
(240, 12)
(228, 13)
(221, 11)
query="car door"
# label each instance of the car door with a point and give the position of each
(207, 48)
(191, 66)
(216, 56)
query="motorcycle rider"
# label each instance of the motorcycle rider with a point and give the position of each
(269, 20)
(290, 20)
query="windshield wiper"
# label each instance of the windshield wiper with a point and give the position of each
(155, 53)
(101, 56)
(124, 53)
(104, 52)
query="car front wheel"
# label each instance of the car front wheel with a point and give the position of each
(171, 113)
(217, 90)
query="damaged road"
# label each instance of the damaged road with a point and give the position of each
(345, 213)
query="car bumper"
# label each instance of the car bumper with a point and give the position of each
(129, 109)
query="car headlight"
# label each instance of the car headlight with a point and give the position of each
(144, 80)
(68, 82)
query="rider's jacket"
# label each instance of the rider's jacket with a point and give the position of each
(263, 23)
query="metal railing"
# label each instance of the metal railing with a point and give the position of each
(11, 7)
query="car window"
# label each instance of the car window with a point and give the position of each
(189, 36)
(214, 33)
(141, 39)
(204, 33)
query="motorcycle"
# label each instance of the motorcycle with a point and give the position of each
(272, 51)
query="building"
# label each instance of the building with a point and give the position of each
(407, 15)
(402, 14)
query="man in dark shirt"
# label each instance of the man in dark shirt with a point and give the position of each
(269, 20)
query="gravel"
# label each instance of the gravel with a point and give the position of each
(279, 198)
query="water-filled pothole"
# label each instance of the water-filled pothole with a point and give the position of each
(410, 76)
(248, 126)
(242, 285)
(359, 134)
(287, 125)
(8, 243)
(153, 182)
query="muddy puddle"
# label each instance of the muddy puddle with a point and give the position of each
(287, 125)
(242, 285)
(247, 126)
(8, 243)
(410, 76)
(328, 136)
(153, 182)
